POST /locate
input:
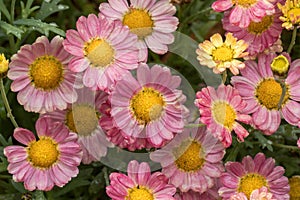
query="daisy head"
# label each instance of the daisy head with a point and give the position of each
(245, 11)
(192, 160)
(152, 106)
(221, 55)
(103, 51)
(152, 21)
(294, 182)
(139, 184)
(268, 99)
(3, 66)
(291, 13)
(252, 174)
(82, 117)
(221, 110)
(258, 35)
(41, 76)
(51, 160)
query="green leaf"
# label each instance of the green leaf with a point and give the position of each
(38, 25)
(18, 186)
(10, 29)
(71, 186)
(49, 7)
(27, 10)
(3, 165)
(4, 10)
(264, 141)
(38, 195)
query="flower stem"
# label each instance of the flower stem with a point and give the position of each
(293, 40)
(6, 104)
(224, 76)
(193, 125)
(286, 146)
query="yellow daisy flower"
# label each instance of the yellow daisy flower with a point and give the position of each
(3, 66)
(221, 55)
(291, 13)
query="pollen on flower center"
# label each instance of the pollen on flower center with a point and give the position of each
(223, 54)
(147, 105)
(294, 183)
(250, 182)
(139, 22)
(82, 119)
(99, 52)
(139, 193)
(280, 64)
(189, 159)
(46, 72)
(260, 27)
(43, 153)
(224, 114)
(268, 93)
(245, 3)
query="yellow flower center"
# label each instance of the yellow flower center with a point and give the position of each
(99, 52)
(82, 119)
(280, 64)
(259, 27)
(139, 22)
(250, 182)
(46, 72)
(139, 193)
(3, 66)
(43, 153)
(224, 114)
(294, 188)
(245, 3)
(223, 53)
(147, 105)
(268, 93)
(189, 159)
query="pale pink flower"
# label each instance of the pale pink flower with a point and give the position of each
(262, 92)
(258, 35)
(139, 184)
(152, 21)
(243, 12)
(192, 160)
(82, 117)
(261, 194)
(252, 174)
(221, 110)
(239, 196)
(149, 106)
(41, 76)
(103, 51)
(51, 160)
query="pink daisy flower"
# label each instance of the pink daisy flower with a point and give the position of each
(261, 194)
(152, 21)
(82, 117)
(117, 136)
(259, 35)
(103, 51)
(244, 11)
(51, 160)
(139, 184)
(192, 160)
(252, 174)
(221, 110)
(41, 77)
(262, 93)
(151, 107)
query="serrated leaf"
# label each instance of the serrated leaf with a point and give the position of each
(42, 27)
(27, 10)
(50, 7)
(10, 29)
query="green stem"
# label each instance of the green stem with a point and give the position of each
(224, 76)
(283, 87)
(293, 40)
(12, 11)
(286, 146)
(193, 125)
(6, 104)
(106, 178)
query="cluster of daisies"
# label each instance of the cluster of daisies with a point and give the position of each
(94, 90)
